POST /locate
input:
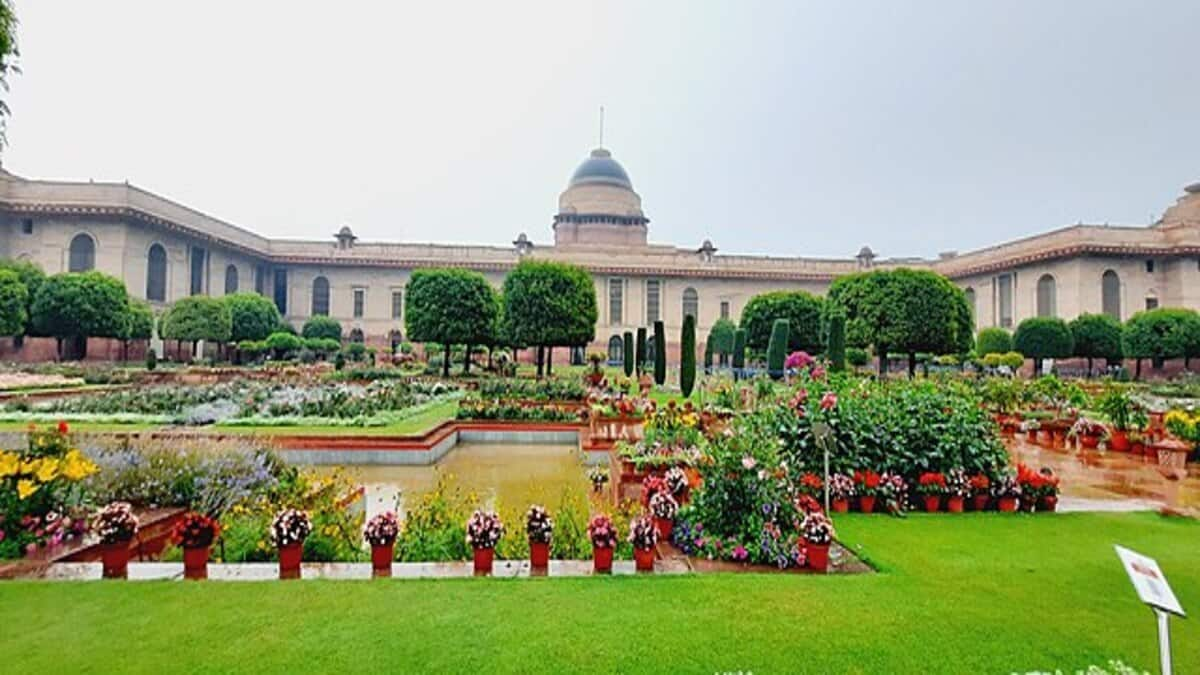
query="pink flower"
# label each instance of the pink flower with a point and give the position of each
(749, 462)
(817, 372)
(828, 401)
(798, 360)
(740, 553)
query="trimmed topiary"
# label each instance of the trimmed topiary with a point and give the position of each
(739, 352)
(708, 356)
(627, 354)
(1043, 337)
(993, 341)
(151, 359)
(660, 353)
(687, 360)
(836, 349)
(640, 362)
(777, 347)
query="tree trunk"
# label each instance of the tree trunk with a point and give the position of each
(467, 360)
(1137, 375)
(1089, 360)
(446, 360)
(912, 365)
(549, 361)
(1037, 366)
(882, 351)
(541, 361)
(490, 365)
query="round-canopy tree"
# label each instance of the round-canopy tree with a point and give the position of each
(253, 316)
(322, 328)
(139, 325)
(1158, 335)
(1097, 336)
(196, 318)
(1043, 337)
(993, 341)
(720, 339)
(14, 303)
(32, 277)
(548, 304)
(451, 306)
(801, 309)
(74, 306)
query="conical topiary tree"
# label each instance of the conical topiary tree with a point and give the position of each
(660, 353)
(739, 352)
(687, 359)
(627, 353)
(708, 356)
(836, 349)
(641, 350)
(777, 347)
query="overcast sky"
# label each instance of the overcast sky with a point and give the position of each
(784, 128)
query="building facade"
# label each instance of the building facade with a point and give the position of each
(165, 251)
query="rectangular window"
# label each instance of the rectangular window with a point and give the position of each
(1004, 299)
(397, 304)
(653, 295)
(199, 262)
(360, 299)
(724, 309)
(27, 226)
(260, 279)
(616, 297)
(1149, 267)
(1151, 303)
(281, 291)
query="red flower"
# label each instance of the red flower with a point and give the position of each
(63, 428)
(828, 401)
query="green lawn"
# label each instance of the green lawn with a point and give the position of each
(973, 593)
(418, 423)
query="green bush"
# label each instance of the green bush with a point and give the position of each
(801, 309)
(739, 351)
(777, 347)
(708, 355)
(836, 341)
(660, 353)
(687, 361)
(1043, 338)
(282, 344)
(857, 357)
(253, 317)
(993, 341)
(627, 354)
(322, 327)
(151, 359)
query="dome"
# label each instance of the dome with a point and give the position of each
(600, 167)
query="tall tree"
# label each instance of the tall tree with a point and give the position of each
(801, 309)
(139, 325)
(1156, 334)
(197, 318)
(74, 306)
(32, 276)
(450, 306)
(687, 359)
(660, 353)
(547, 304)
(720, 339)
(252, 316)
(14, 301)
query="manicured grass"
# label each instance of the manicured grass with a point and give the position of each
(418, 423)
(82, 427)
(972, 593)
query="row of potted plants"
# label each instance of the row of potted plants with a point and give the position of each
(953, 491)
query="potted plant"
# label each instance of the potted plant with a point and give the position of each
(289, 529)
(652, 485)
(603, 535)
(484, 530)
(841, 490)
(643, 534)
(664, 507)
(980, 486)
(931, 485)
(956, 490)
(1137, 442)
(195, 533)
(1030, 428)
(1007, 491)
(811, 485)
(116, 525)
(1123, 413)
(866, 484)
(1048, 494)
(381, 532)
(677, 482)
(595, 376)
(540, 527)
(598, 475)
(1088, 432)
(818, 534)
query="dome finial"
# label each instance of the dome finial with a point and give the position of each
(601, 143)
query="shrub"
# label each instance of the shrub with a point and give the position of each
(151, 359)
(776, 347)
(801, 309)
(739, 351)
(627, 353)
(687, 364)
(836, 341)
(660, 353)
(282, 344)
(993, 341)
(857, 357)
(322, 327)
(1097, 336)
(252, 316)
(1043, 338)
(197, 317)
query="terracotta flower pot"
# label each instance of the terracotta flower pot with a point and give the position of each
(116, 560)
(484, 557)
(1137, 448)
(817, 556)
(539, 554)
(1119, 441)
(289, 560)
(954, 504)
(1089, 441)
(932, 502)
(1031, 435)
(840, 505)
(195, 563)
(644, 558)
(866, 503)
(1007, 504)
(664, 527)
(1060, 439)
(1048, 503)
(602, 559)
(381, 559)
(980, 502)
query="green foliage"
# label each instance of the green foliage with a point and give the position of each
(32, 277)
(993, 341)
(642, 348)
(139, 321)
(720, 337)
(857, 357)
(1097, 336)
(776, 348)
(151, 359)
(339, 361)
(198, 317)
(708, 355)
(1120, 409)
(253, 316)
(14, 303)
(282, 343)
(322, 327)
(802, 310)
(1044, 337)
(627, 353)
(454, 306)
(1013, 360)
(660, 353)
(739, 349)
(1160, 334)
(836, 340)
(80, 304)
(687, 362)
(549, 303)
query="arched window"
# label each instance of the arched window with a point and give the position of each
(691, 302)
(156, 273)
(970, 293)
(231, 279)
(1110, 294)
(616, 349)
(1047, 296)
(82, 254)
(320, 299)
(356, 335)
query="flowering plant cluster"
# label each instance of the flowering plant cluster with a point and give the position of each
(642, 533)
(539, 525)
(1184, 424)
(866, 483)
(1087, 427)
(290, 527)
(382, 529)
(811, 484)
(1037, 484)
(484, 529)
(1006, 486)
(602, 532)
(801, 361)
(598, 475)
(42, 492)
(817, 528)
(195, 530)
(956, 483)
(841, 486)
(931, 483)
(663, 505)
(676, 480)
(979, 484)
(604, 405)
(894, 490)
(116, 523)
(652, 485)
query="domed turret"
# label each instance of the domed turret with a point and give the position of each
(599, 206)
(600, 167)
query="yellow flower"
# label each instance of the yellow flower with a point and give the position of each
(77, 467)
(29, 466)
(26, 487)
(9, 462)
(48, 471)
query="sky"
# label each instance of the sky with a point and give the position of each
(789, 128)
